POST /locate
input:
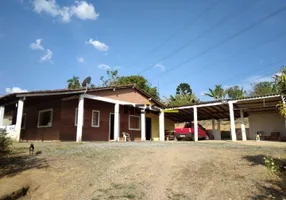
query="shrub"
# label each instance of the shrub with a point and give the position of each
(5, 142)
(276, 166)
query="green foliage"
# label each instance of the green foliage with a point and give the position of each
(217, 93)
(5, 142)
(184, 89)
(74, 83)
(263, 88)
(140, 82)
(180, 100)
(184, 96)
(276, 166)
(112, 77)
(235, 92)
(280, 80)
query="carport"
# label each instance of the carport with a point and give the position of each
(261, 110)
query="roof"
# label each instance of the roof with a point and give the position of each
(77, 91)
(219, 109)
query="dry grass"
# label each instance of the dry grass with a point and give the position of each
(149, 170)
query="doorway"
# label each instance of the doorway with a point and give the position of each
(148, 128)
(111, 126)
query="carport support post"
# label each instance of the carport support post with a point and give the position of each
(116, 122)
(143, 127)
(196, 134)
(242, 125)
(161, 126)
(20, 107)
(232, 122)
(2, 111)
(80, 118)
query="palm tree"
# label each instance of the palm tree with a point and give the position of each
(280, 81)
(217, 93)
(74, 83)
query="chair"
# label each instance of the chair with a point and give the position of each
(126, 136)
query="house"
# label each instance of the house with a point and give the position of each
(99, 114)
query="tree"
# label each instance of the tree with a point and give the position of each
(184, 89)
(280, 80)
(74, 83)
(263, 88)
(140, 82)
(217, 93)
(183, 96)
(112, 77)
(235, 92)
(180, 100)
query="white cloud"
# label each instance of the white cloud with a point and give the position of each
(203, 93)
(104, 66)
(84, 11)
(81, 9)
(160, 66)
(15, 90)
(48, 56)
(37, 45)
(100, 46)
(80, 60)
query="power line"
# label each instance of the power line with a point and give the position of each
(176, 33)
(227, 39)
(249, 49)
(209, 30)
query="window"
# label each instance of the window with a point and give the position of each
(134, 122)
(75, 116)
(23, 125)
(45, 118)
(95, 118)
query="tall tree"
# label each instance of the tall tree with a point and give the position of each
(235, 92)
(217, 93)
(184, 89)
(263, 88)
(111, 79)
(74, 83)
(184, 96)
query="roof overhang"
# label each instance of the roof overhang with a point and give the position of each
(220, 109)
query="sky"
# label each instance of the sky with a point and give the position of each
(201, 42)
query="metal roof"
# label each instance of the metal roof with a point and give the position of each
(219, 109)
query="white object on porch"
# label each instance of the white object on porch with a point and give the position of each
(216, 129)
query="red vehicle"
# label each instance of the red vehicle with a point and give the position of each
(187, 133)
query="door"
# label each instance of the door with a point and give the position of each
(111, 126)
(148, 128)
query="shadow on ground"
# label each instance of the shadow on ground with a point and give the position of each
(271, 189)
(15, 164)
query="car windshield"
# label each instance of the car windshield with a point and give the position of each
(191, 125)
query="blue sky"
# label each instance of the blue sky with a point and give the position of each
(43, 43)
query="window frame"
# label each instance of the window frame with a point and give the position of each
(134, 129)
(75, 116)
(98, 120)
(23, 125)
(46, 110)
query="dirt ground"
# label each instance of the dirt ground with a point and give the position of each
(144, 170)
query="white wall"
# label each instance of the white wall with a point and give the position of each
(267, 122)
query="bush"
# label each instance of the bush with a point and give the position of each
(275, 165)
(5, 142)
